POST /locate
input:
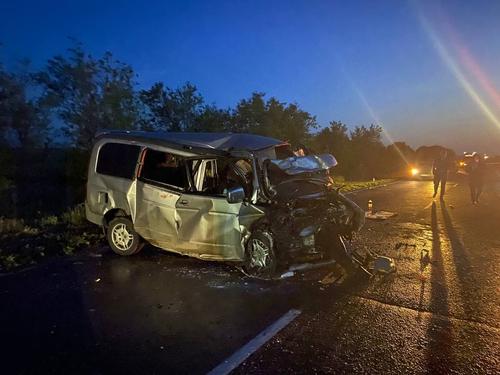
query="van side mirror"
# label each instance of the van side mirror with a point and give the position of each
(235, 195)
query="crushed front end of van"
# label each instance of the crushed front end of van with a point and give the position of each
(308, 220)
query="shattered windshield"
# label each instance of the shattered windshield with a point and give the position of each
(302, 164)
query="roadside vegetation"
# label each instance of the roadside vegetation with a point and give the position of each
(24, 243)
(349, 186)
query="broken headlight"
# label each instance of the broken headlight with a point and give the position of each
(307, 231)
(307, 235)
(308, 241)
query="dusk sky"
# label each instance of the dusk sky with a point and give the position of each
(429, 72)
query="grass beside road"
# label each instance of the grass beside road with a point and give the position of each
(349, 186)
(23, 244)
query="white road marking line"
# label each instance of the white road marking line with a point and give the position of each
(254, 344)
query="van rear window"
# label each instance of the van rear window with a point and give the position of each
(118, 160)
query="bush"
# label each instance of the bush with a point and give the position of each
(75, 216)
(52, 236)
(48, 221)
(5, 183)
(11, 225)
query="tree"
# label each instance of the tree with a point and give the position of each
(89, 94)
(213, 119)
(273, 118)
(368, 151)
(5, 98)
(23, 117)
(399, 156)
(172, 110)
(334, 140)
(248, 116)
(426, 154)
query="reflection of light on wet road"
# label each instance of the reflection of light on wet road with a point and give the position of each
(449, 264)
(430, 204)
(438, 299)
(431, 191)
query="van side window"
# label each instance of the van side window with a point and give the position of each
(164, 168)
(118, 160)
(210, 178)
(219, 175)
(237, 173)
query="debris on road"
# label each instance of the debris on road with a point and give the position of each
(384, 265)
(287, 274)
(379, 215)
(329, 279)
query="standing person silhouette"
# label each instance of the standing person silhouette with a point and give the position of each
(475, 170)
(440, 168)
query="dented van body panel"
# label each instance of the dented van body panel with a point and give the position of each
(195, 225)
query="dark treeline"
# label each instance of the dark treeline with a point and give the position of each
(48, 119)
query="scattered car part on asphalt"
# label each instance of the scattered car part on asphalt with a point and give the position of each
(287, 274)
(331, 278)
(384, 265)
(380, 215)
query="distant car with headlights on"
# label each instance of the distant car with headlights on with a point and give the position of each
(420, 172)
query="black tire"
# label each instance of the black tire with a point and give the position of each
(260, 257)
(122, 237)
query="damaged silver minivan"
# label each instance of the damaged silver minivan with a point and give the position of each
(219, 196)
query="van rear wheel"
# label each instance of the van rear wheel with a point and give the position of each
(122, 237)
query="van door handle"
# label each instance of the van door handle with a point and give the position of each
(103, 197)
(184, 202)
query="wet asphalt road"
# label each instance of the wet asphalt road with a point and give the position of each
(159, 313)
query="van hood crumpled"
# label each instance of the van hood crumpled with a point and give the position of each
(305, 164)
(298, 177)
(305, 182)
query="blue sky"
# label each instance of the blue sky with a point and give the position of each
(357, 62)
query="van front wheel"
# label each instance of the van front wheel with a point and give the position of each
(260, 258)
(122, 237)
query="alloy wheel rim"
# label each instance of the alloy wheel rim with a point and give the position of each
(260, 254)
(121, 237)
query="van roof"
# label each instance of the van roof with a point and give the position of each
(215, 141)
